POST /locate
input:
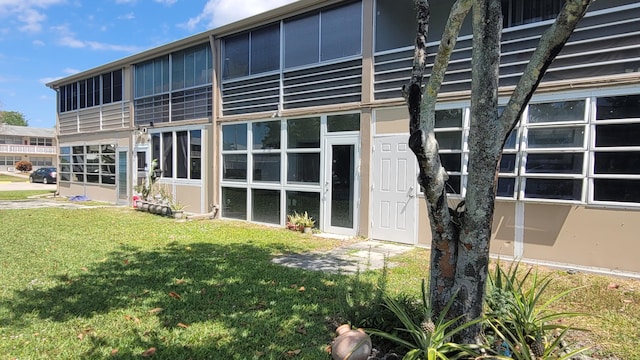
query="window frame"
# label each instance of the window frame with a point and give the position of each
(159, 148)
(249, 184)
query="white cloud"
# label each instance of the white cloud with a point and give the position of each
(128, 16)
(67, 38)
(166, 2)
(27, 12)
(70, 71)
(221, 12)
(38, 42)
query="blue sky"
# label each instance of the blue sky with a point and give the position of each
(43, 40)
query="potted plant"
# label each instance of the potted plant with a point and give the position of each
(306, 222)
(292, 221)
(177, 209)
(148, 188)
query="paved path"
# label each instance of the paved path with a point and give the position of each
(348, 259)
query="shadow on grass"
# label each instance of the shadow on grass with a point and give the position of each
(192, 301)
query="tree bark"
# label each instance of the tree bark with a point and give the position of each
(460, 237)
(433, 177)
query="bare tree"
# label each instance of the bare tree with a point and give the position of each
(460, 236)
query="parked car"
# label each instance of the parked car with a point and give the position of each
(47, 175)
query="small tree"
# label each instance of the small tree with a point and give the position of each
(460, 236)
(13, 118)
(23, 166)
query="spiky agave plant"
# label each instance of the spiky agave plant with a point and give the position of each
(517, 313)
(429, 339)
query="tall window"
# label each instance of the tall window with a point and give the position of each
(251, 53)
(326, 35)
(554, 150)
(152, 91)
(178, 153)
(234, 152)
(303, 150)
(395, 24)
(449, 133)
(191, 67)
(266, 151)
(616, 168)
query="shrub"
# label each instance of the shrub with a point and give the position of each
(429, 337)
(24, 166)
(519, 317)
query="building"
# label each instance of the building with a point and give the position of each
(18, 143)
(299, 109)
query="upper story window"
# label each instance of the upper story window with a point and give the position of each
(41, 141)
(94, 91)
(251, 53)
(174, 87)
(191, 67)
(325, 35)
(112, 87)
(519, 12)
(12, 140)
(152, 77)
(395, 24)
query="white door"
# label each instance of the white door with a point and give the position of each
(394, 203)
(341, 186)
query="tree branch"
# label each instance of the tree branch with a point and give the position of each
(551, 42)
(423, 143)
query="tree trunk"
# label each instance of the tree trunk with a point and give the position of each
(460, 236)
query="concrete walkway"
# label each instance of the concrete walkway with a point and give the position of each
(347, 259)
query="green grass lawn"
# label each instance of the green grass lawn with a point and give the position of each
(11, 178)
(113, 282)
(23, 194)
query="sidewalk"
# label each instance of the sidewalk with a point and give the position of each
(348, 259)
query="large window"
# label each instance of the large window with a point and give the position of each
(93, 164)
(266, 164)
(554, 150)
(266, 151)
(191, 67)
(251, 53)
(234, 152)
(184, 93)
(303, 150)
(322, 36)
(94, 91)
(616, 167)
(580, 150)
(395, 24)
(449, 133)
(152, 77)
(178, 153)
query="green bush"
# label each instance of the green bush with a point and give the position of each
(519, 321)
(24, 166)
(426, 336)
